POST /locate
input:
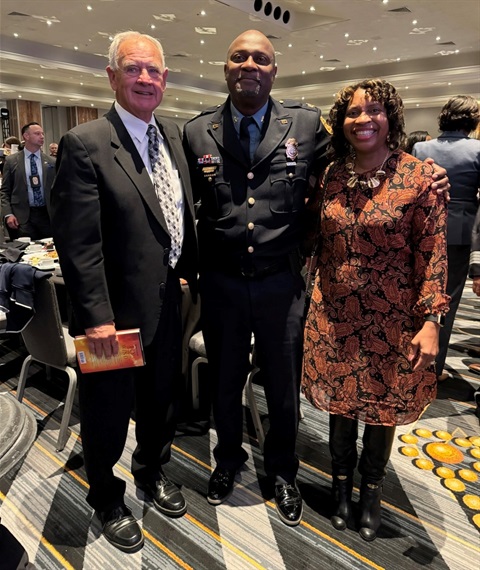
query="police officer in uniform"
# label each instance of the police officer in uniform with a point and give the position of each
(250, 161)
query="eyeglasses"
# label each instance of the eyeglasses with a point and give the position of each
(136, 71)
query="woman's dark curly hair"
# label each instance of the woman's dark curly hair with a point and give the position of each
(378, 90)
(460, 113)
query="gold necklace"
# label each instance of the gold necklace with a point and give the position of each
(372, 182)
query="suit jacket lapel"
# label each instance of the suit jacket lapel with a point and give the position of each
(127, 156)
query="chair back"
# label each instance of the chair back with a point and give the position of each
(44, 335)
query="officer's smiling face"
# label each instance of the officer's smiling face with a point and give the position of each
(250, 71)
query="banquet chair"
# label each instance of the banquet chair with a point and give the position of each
(197, 346)
(49, 343)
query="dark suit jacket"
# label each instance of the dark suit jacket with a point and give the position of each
(14, 185)
(109, 229)
(460, 155)
(270, 193)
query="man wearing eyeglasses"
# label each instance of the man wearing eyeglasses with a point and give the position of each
(124, 228)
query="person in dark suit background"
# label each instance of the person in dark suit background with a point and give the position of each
(249, 226)
(121, 262)
(26, 185)
(460, 155)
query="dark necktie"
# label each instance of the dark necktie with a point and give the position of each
(165, 194)
(38, 200)
(245, 136)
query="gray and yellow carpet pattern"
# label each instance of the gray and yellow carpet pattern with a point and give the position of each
(431, 504)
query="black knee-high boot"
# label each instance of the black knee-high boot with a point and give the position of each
(343, 449)
(377, 447)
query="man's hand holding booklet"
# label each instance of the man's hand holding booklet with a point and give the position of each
(130, 353)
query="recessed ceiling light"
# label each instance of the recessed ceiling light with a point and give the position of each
(58, 100)
(321, 57)
(201, 102)
(176, 115)
(438, 38)
(110, 38)
(49, 23)
(202, 41)
(303, 72)
(398, 59)
(91, 104)
(406, 87)
(312, 8)
(418, 104)
(374, 48)
(41, 77)
(201, 61)
(346, 35)
(385, 2)
(201, 75)
(75, 47)
(457, 51)
(152, 26)
(176, 98)
(303, 98)
(81, 83)
(203, 13)
(89, 8)
(347, 66)
(449, 83)
(290, 45)
(414, 22)
(15, 35)
(19, 96)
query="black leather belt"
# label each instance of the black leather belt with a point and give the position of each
(256, 273)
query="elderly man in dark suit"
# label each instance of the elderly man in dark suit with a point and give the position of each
(250, 160)
(124, 229)
(27, 179)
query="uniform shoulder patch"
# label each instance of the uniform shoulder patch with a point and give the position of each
(326, 126)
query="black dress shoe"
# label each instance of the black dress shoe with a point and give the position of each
(220, 486)
(121, 529)
(289, 504)
(167, 497)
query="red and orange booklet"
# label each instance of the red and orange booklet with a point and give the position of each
(130, 353)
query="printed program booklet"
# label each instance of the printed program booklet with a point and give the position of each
(130, 353)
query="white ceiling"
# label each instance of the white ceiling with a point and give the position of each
(63, 62)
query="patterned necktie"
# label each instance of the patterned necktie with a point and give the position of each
(165, 194)
(245, 136)
(38, 200)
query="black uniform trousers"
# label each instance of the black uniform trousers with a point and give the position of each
(107, 400)
(272, 308)
(458, 262)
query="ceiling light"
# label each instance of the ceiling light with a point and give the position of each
(201, 61)
(49, 23)
(347, 66)
(438, 38)
(414, 22)
(398, 59)
(91, 104)
(75, 47)
(418, 104)
(19, 96)
(15, 35)
(41, 77)
(290, 45)
(346, 35)
(449, 83)
(201, 75)
(321, 57)
(203, 13)
(312, 8)
(374, 48)
(406, 87)
(201, 102)
(152, 26)
(303, 72)
(58, 100)
(303, 98)
(81, 83)
(110, 38)
(176, 98)
(202, 41)
(385, 2)
(89, 8)
(457, 51)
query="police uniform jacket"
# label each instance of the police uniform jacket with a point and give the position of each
(250, 216)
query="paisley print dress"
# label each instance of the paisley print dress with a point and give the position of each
(382, 266)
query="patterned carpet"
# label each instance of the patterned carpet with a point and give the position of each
(431, 506)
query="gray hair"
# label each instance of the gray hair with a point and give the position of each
(121, 37)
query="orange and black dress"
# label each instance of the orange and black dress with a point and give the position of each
(382, 267)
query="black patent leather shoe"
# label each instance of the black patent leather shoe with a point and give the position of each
(121, 529)
(220, 486)
(289, 504)
(167, 497)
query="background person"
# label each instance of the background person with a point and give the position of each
(413, 138)
(53, 149)
(27, 179)
(460, 155)
(372, 330)
(121, 264)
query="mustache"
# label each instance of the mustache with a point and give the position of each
(248, 76)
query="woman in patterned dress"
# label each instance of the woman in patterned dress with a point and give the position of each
(372, 329)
